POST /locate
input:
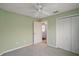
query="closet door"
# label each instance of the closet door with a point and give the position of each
(75, 34)
(64, 34)
(67, 38)
(59, 32)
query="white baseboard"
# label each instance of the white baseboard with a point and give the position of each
(15, 49)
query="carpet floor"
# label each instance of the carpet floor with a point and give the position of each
(40, 49)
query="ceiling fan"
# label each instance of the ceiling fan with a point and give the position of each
(39, 8)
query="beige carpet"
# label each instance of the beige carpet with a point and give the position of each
(40, 49)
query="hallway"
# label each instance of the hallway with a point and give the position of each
(40, 49)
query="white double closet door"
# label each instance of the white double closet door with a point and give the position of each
(67, 33)
(63, 34)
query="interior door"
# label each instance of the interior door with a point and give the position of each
(37, 32)
(75, 34)
(64, 34)
(59, 33)
(67, 41)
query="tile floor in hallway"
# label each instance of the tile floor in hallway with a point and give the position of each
(40, 49)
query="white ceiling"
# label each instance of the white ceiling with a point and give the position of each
(30, 9)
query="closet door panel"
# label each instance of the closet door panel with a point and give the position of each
(64, 34)
(59, 36)
(67, 34)
(75, 34)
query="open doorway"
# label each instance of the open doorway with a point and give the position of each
(44, 32)
(40, 32)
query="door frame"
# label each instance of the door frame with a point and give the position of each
(41, 29)
(46, 30)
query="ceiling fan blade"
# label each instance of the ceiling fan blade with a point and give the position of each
(37, 15)
(45, 12)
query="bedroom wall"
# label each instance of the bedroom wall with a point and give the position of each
(15, 30)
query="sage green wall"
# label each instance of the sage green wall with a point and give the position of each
(15, 30)
(52, 25)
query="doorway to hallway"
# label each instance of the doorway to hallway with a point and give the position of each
(40, 32)
(44, 32)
